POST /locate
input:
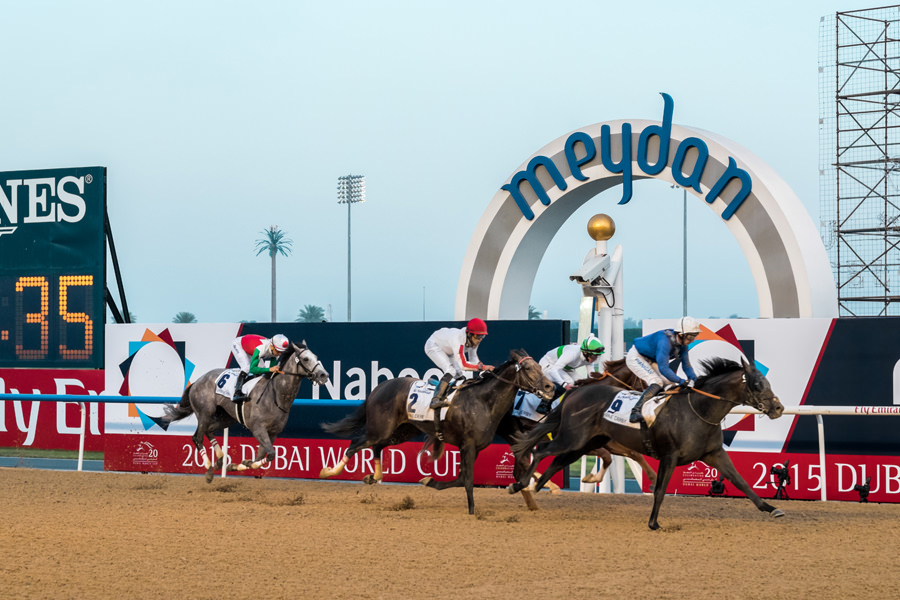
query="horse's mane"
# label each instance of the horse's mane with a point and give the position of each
(611, 365)
(717, 366)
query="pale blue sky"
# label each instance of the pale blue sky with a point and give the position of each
(219, 119)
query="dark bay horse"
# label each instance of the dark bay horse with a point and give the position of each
(688, 428)
(470, 424)
(617, 374)
(265, 412)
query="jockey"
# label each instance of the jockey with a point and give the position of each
(559, 364)
(251, 350)
(454, 352)
(650, 355)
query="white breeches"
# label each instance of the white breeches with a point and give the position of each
(237, 351)
(644, 368)
(443, 362)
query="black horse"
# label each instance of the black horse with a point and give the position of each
(265, 412)
(470, 424)
(688, 428)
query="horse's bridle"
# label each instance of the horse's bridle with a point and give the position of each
(309, 373)
(756, 400)
(532, 386)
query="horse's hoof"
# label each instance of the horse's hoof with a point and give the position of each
(776, 514)
(515, 488)
(209, 476)
(370, 479)
(324, 473)
(653, 526)
(425, 480)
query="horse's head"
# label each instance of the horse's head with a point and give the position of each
(759, 393)
(300, 360)
(529, 375)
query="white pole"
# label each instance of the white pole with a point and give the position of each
(225, 450)
(81, 437)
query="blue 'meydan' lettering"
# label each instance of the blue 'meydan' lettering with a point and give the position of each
(530, 175)
(590, 152)
(693, 180)
(624, 166)
(664, 133)
(730, 173)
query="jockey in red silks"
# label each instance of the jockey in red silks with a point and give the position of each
(454, 352)
(251, 350)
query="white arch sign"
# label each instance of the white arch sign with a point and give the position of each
(788, 261)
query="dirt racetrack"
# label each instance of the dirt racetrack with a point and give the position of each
(128, 536)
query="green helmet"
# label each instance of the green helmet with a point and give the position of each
(592, 345)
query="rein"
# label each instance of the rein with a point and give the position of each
(755, 404)
(533, 389)
(309, 375)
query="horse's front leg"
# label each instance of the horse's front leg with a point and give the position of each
(265, 453)
(604, 458)
(720, 460)
(220, 458)
(466, 476)
(666, 468)
(378, 474)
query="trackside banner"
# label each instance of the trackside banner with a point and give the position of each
(160, 360)
(809, 362)
(50, 425)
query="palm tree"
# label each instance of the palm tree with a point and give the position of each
(274, 242)
(533, 313)
(185, 317)
(311, 314)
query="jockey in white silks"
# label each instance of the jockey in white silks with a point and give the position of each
(256, 355)
(559, 365)
(454, 351)
(650, 355)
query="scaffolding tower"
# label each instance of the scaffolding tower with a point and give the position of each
(859, 157)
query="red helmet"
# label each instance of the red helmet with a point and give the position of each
(477, 327)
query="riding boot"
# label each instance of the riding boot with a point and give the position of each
(648, 393)
(238, 392)
(438, 402)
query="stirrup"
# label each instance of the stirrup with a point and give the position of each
(635, 416)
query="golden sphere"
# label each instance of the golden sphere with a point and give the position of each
(601, 227)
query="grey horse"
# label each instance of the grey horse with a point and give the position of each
(265, 412)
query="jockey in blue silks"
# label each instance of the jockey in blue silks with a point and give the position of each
(650, 355)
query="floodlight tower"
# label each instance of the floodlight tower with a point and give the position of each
(350, 190)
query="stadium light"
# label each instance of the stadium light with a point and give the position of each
(350, 190)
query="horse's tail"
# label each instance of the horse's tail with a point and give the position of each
(435, 445)
(176, 412)
(349, 425)
(530, 439)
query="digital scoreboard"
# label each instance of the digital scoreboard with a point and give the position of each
(52, 268)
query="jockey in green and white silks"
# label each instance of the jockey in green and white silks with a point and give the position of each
(256, 355)
(650, 355)
(559, 364)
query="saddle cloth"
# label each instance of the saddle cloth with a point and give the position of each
(526, 403)
(227, 381)
(620, 409)
(418, 401)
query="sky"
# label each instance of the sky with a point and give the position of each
(217, 120)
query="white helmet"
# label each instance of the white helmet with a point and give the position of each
(687, 325)
(280, 342)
